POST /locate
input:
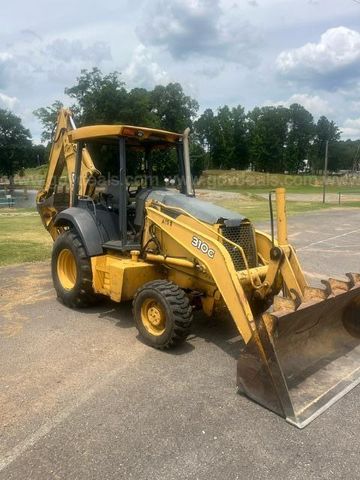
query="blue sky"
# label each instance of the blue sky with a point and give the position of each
(251, 52)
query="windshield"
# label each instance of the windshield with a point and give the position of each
(146, 166)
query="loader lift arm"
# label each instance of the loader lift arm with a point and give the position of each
(218, 264)
(211, 253)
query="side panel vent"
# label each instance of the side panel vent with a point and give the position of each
(244, 236)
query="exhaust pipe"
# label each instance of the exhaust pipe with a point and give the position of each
(187, 166)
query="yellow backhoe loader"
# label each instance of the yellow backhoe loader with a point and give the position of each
(123, 236)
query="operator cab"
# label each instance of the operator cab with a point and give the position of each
(133, 162)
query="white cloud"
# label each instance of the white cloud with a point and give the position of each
(315, 104)
(65, 50)
(7, 64)
(8, 102)
(143, 71)
(351, 129)
(4, 56)
(200, 27)
(206, 45)
(34, 73)
(32, 64)
(330, 63)
(355, 106)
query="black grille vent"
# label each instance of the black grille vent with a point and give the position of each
(244, 236)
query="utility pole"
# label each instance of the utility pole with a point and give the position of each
(325, 170)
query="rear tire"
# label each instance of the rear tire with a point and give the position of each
(71, 271)
(162, 314)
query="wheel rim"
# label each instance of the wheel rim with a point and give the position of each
(153, 317)
(66, 269)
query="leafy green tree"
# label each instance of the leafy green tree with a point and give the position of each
(175, 110)
(223, 150)
(350, 155)
(301, 131)
(103, 99)
(271, 139)
(268, 128)
(205, 134)
(224, 136)
(344, 155)
(198, 159)
(138, 110)
(99, 98)
(15, 143)
(240, 138)
(37, 156)
(326, 130)
(48, 117)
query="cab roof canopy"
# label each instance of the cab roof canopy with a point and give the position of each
(137, 136)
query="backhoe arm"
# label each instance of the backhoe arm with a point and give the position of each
(63, 153)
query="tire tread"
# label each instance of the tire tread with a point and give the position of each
(85, 295)
(179, 305)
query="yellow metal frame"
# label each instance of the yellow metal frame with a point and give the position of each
(180, 259)
(211, 230)
(119, 276)
(153, 317)
(63, 153)
(196, 256)
(220, 267)
(66, 269)
(129, 131)
(284, 270)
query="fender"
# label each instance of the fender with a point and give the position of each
(84, 223)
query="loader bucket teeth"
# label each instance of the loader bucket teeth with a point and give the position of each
(354, 278)
(299, 363)
(281, 303)
(316, 294)
(338, 285)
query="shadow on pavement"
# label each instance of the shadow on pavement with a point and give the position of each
(218, 329)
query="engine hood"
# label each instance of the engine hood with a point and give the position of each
(204, 211)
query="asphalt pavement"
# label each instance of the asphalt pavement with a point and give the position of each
(82, 398)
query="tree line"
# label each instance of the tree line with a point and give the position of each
(17, 150)
(268, 139)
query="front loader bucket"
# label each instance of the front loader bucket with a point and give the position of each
(301, 361)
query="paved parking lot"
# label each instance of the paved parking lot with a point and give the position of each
(82, 398)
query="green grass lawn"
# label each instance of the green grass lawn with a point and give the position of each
(257, 182)
(34, 177)
(22, 237)
(256, 208)
(236, 181)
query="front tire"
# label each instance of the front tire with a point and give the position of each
(71, 271)
(162, 314)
